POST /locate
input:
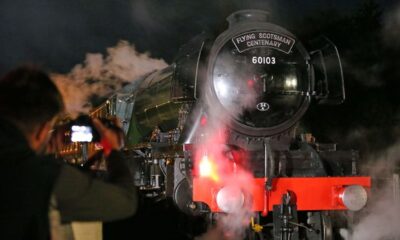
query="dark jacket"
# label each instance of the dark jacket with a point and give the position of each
(27, 182)
(81, 197)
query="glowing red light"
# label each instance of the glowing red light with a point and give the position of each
(208, 168)
(250, 83)
(203, 120)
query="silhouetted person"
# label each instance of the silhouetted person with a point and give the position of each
(29, 106)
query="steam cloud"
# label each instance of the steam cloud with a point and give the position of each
(391, 27)
(230, 164)
(99, 76)
(232, 225)
(382, 214)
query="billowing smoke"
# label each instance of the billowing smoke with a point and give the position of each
(368, 77)
(391, 27)
(234, 87)
(380, 220)
(99, 76)
(224, 164)
(221, 163)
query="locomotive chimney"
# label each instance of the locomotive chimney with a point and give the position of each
(248, 16)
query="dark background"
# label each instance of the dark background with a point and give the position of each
(58, 34)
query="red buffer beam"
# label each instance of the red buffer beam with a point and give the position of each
(316, 193)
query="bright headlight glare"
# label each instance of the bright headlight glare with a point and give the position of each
(205, 167)
(230, 199)
(354, 197)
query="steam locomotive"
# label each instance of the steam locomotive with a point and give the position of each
(217, 131)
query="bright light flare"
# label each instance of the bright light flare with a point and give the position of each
(208, 168)
(81, 134)
(291, 82)
(222, 88)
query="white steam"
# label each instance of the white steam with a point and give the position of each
(236, 96)
(366, 76)
(391, 28)
(231, 87)
(234, 224)
(101, 75)
(381, 219)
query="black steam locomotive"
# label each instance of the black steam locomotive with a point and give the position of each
(216, 131)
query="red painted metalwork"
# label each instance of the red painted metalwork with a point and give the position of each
(311, 193)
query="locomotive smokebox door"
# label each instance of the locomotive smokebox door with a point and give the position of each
(259, 75)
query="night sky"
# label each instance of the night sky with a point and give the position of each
(57, 34)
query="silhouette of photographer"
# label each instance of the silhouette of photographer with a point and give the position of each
(32, 183)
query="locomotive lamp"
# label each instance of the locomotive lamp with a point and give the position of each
(207, 168)
(291, 83)
(354, 197)
(230, 199)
